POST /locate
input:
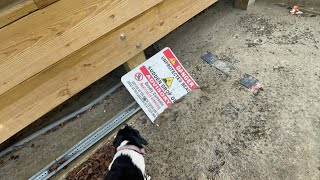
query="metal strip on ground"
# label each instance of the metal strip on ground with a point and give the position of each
(87, 142)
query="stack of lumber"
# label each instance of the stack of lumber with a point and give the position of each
(48, 53)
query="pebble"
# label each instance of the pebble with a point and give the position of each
(258, 41)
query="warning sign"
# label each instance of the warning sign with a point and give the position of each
(158, 82)
(168, 81)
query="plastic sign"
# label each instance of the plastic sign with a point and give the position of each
(158, 82)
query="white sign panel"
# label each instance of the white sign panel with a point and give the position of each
(158, 83)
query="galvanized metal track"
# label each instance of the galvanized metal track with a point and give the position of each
(61, 120)
(86, 143)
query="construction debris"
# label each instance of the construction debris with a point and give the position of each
(296, 11)
(222, 66)
(250, 83)
(209, 58)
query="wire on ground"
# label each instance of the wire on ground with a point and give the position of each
(62, 120)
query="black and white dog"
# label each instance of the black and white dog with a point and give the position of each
(128, 162)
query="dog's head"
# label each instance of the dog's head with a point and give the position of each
(131, 135)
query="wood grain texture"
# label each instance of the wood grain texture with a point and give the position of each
(48, 35)
(33, 98)
(4, 4)
(16, 11)
(44, 3)
(135, 61)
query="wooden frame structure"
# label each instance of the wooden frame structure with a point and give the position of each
(53, 53)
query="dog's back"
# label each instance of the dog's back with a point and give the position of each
(128, 162)
(124, 169)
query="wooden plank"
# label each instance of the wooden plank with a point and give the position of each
(4, 4)
(16, 11)
(244, 4)
(48, 35)
(135, 61)
(44, 3)
(33, 98)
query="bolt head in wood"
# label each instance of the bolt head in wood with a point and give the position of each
(138, 45)
(123, 36)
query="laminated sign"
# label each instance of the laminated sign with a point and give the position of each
(158, 82)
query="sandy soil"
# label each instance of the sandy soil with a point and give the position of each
(221, 130)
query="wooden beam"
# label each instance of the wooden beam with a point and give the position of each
(16, 11)
(4, 4)
(13, 11)
(135, 61)
(48, 35)
(33, 98)
(44, 3)
(244, 4)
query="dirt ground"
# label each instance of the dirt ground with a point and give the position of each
(220, 131)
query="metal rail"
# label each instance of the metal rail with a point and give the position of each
(61, 120)
(86, 143)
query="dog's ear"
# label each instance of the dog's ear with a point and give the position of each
(142, 140)
(118, 140)
(138, 141)
(129, 128)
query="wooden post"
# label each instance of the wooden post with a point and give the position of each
(243, 4)
(135, 61)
